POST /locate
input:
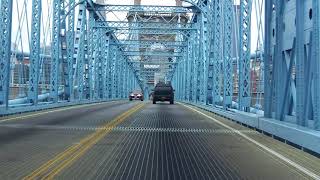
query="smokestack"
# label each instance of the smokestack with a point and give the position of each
(137, 2)
(178, 3)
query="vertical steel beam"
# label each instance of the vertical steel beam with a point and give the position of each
(105, 56)
(110, 72)
(180, 81)
(81, 29)
(227, 59)
(92, 41)
(127, 81)
(70, 48)
(217, 50)
(121, 72)
(202, 60)
(34, 52)
(113, 71)
(267, 59)
(279, 58)
(64, 53)
(189, 71)
(300, 63)
(194, 66)
(99, 64)
(316, 59)
(244, 56)
(116, 74)
(5, 50)
(184, 61)
(55, 51)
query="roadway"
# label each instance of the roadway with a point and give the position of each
(140, 140)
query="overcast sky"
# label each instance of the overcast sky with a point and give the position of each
(20, 34)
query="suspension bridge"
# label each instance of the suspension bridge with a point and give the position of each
(245, 74)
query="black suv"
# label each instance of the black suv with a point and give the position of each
(163, 92)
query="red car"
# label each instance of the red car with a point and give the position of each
(136, 95)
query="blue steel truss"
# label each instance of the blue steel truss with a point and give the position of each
(145, 9)
(316, 57)
(227, 55)
(35, 52)
(55, 51)
(5, 50)
(244, 55)
(70, 50)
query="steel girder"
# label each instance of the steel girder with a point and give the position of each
(149, 43)
(158, 54)
(128, 47)
(227, 55)
(5, 50)
(316, 57)
(291, 65)
(105, 43)
(80, 61)
(70, 49)
(161, 51)
(151, 63)
(300, 66)
(64, 54)
(143, 25)
(189, 71)
(35, 52)
(203, 77)
(195, 72)
(279, 55)
(244, 54)
(267, 60)
(80, 49)
(217, 50)
(113, 74)
(98, 65)
(92, 55)
(143, 8)
(145, 31)
(55, 51)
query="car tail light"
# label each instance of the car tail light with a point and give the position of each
(131, 94)
(138, 94)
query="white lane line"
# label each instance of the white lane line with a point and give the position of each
(57, 110)
(269, 150)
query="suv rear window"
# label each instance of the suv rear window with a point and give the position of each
(163, 90)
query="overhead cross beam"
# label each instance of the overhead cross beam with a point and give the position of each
(145, 31)
(151, 42)
(148, 53)
(143, 25)
(144, 8)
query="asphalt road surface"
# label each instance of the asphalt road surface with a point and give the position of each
(142, 141)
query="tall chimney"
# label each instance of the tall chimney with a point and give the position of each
(178, 3)
(137, 2)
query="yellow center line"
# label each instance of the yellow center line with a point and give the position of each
(67, 157)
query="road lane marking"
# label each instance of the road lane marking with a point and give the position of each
(52, 167)
(127, 129)
(267, 149)
(81, 152)
(57, 110)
